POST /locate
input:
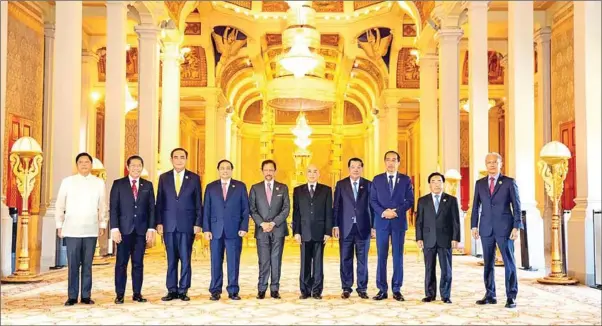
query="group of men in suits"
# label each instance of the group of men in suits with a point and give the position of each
(360, 210)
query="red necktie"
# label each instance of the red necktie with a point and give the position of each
(134, 190)
(491, 185)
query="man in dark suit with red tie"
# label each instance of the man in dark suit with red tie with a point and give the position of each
(132, 213)
(498, 222)
(437, 232)
(353, 226)
(179, 218)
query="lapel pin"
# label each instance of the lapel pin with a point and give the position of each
(397, 180)
(444, 200)
(186, 177)
(361, 187)
(500, 182)
(141, 184)
(233, 186)
(277, 188)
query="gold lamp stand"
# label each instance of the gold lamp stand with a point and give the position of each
(26, 162)
(99, 171)
(553, 167)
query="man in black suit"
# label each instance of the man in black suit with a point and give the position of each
(353, 220)
(132, 211)
(312, 227)
(437, 232)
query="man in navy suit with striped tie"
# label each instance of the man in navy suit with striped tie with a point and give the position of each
(132, 212)
(179, 218)
(390, 197)
(353, 226)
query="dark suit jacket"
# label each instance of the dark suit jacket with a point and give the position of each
(438, 228)
(131, 215)
(276, 212)
(226, 217)
(500, 212)
(345, 207)
(312, 217)
(181, 212)
(381, 199)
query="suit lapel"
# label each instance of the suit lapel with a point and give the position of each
(128, 186)
(431, 204)
(170, 183)
(185, 181)
(442, 203)
(396, 185)
(497, 186)
(231, 189)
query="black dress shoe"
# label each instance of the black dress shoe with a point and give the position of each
(428, 299)
(345, 295)
(446, 300)
(363, 294)
(70, 302)
(275, 295)
(87, 301)
(380, 296)
(398, 296)
(138, 298)
(304, 296)
(234, 296)
(487, 300)
(119, 299)
(317, 296)
(260, 295)
(184, 296)
(510, 303)
(215, 296)
(170, 296)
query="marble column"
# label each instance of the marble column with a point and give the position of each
(65, 110)
(211, 96)
(449, 97)
(521, 122)
(170, 101)
(88, 110)
(148, 97)
(234, 144)
(115, 94)
(5, 253)
(543, 131)
(266, 137)
(478, 86)
(429, 136)
(580, 257)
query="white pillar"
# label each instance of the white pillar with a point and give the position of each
(89, 67)
(148, 97)
(449, 97)
(65, 109)
(543, 131)
(521, 117)
(211, 157)
(478, 86)
(115, 90)
(580, 258)
(170, 100)
(5, 265)
(429, 130)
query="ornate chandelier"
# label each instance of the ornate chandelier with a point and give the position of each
(302, 131)
(299, 84)
(465, 104)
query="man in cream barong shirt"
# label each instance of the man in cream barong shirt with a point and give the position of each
(81, 218)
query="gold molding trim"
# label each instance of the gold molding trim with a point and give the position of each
(19, 12)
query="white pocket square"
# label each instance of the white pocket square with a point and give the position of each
(279, 195)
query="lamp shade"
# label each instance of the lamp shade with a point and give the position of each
(26, 145)
(453, 174)
(555, 150)
(97, 164)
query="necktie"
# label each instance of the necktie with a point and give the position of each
(355, 190)
(391, 184)
(134, 190)
(491, 185)
(178, 183)
(224, 189)
(436, 204)
(269, 193)
(311, 191)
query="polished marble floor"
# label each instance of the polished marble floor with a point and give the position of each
(42, 303)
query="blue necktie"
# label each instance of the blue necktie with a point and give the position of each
(355, 190)
(436, 204)
(391, 184)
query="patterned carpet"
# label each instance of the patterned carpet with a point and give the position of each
(42, 303)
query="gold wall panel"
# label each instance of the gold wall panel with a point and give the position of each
(131, 65)
(409, 30)
(251, 173)
(24, 100)
(131, 134)
(408, 70)
(352, 114)
(353, 147)
(193, 28)
(464, 144)
(496, 71)
(563, 72)
(253, 113)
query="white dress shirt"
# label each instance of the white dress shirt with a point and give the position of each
(81, 206)
(434, 200)
(175, 176)
(269, 185)
(394, 178)
(315, 184)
